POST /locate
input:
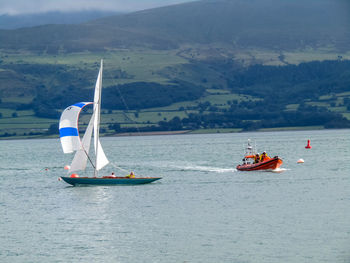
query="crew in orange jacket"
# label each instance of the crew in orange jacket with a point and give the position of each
(264, 157)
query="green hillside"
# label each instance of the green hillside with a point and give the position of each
(212, 65)
(226, 96)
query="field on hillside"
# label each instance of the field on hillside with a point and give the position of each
(25, 123)
(125, 66)
(280, 58)
(138, 65)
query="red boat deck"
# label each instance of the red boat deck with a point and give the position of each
(270, 164)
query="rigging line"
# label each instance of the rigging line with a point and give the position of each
(89, 158)
(92, 163)
(124, 102)
(128, 110)
(115, 166)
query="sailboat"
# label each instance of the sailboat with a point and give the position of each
(71, 142)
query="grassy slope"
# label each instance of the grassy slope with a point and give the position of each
(26, 123)
(157, 45)
(141, 65)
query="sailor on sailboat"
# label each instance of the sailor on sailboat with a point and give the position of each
(71, 142)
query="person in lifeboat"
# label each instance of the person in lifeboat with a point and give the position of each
(257, 158)
(264, 157)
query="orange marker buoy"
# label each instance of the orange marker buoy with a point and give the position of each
(59, 179)
(74, 175)
(308, 146)
(300, 161)
(67, 167)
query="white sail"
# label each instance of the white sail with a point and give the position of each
(82, 155)
(101, 159)
(68, 127)
(69, 133)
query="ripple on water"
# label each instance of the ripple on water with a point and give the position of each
(203, 210)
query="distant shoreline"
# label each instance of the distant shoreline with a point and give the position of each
(179, 132)
(149, 133)
(212, 131)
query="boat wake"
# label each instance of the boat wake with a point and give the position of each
(205, 169)
(14, 169)
(277, 170)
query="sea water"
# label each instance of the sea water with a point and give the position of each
(203, 209)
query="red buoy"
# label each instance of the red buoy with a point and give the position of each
(308, 146)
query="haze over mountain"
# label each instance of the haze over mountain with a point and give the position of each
(21, 7)
(53, 17)
(271, 24)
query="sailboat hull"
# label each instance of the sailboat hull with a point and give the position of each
(70, 140)
(109, 181)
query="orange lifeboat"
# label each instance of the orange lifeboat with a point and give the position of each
(252, 162)
(270, 164)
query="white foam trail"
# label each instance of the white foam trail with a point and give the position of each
(278, 170)
(207, 169)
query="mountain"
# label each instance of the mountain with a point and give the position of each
(269, 24)
(257, 23)
(247, 64)
(31, 20)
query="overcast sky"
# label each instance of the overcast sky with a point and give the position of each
(37, 6)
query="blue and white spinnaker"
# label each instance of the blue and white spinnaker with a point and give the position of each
(68, 127)
(69, 132)
(71, 142)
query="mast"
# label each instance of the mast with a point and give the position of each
(97, 101)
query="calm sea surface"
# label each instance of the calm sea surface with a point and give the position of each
(203, 210)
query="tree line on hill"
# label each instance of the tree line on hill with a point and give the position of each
(248, 119)
(141, 95)
(292, 83)
(136, 95)
(275, 87)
